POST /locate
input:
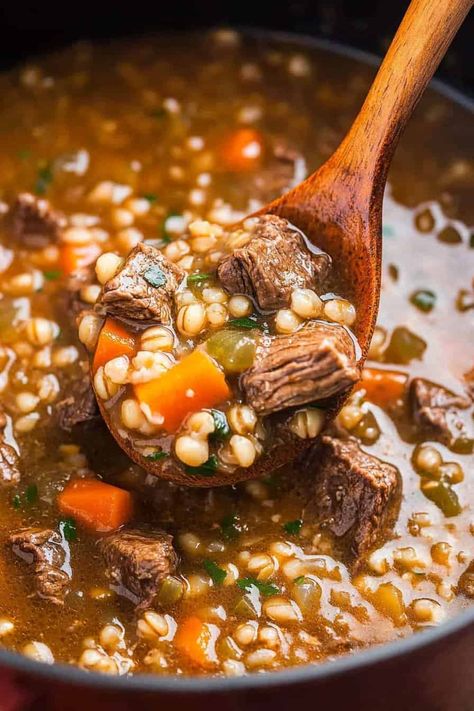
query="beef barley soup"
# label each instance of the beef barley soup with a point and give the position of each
(124, 170)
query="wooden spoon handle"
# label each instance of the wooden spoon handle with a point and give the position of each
(420, 43)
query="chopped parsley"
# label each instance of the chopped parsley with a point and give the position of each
(24, 154)
(159, 114)
(44, 178)
(424, 300)
(230, 527)
(217, 575)
(245, 322)
(293, 527)
(209, 468)
(31, 494)
(388, 231)
(67, 527)
(265, 589)
(221, 426)
(52, 274)
(299, 580)
(157, 456)
(27, 498)
(151, 197)
(155, 276)
(198, 278)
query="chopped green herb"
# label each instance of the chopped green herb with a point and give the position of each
(209, 468)
(155, 276)
(157, 456)
(221, 426)
(44, 179)
(198, 278)
(52, 274)
(423, 299)
(293, 527)
(31, 494)
(159, 114)
(264, 588)
(67, 527)
(299, 580)
(218, 575)
(230, 527)
(245, 322)
(24, 154)
(16, 501)
(151, 197)
(388, 231)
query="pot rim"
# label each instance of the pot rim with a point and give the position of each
(208, 685)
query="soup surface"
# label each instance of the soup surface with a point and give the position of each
(158, 147)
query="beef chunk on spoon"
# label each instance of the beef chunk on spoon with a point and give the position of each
(143, 287)
(274, 262)
(313, 364)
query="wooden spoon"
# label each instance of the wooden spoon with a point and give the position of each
(339, 207)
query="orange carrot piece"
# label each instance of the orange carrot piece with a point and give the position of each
(192, 384)
(114, 340)
(74, 257)
(242, 149)
(98, 506)
(194, 639)
(383, 387)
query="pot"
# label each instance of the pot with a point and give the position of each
(431, 671)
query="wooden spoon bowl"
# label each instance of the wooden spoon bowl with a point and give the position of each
(339, 207)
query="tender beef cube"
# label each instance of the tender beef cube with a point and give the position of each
(42, 549)
(138, 561)
(80, 406)
(315, 363)
(34, 223)
(9, 472)
(466, 581)
(272, 264)
(435, 410)
(142, 290)
(355, 494)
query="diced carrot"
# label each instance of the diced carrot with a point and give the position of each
(96, 505)
(242, 149)
(114, 340)
(383, 387)
(192, 384)
(194, 639)
(74, 257)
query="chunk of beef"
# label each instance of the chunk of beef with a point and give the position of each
(142, 290)
(435, 410)
(272, 264)
(42, 549)
(79, 407)
(138, 561)
(466, 581)
(355, 495)
(315, 363)
(34, 223)
(9, 472)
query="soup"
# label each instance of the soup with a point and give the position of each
(130, 159)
